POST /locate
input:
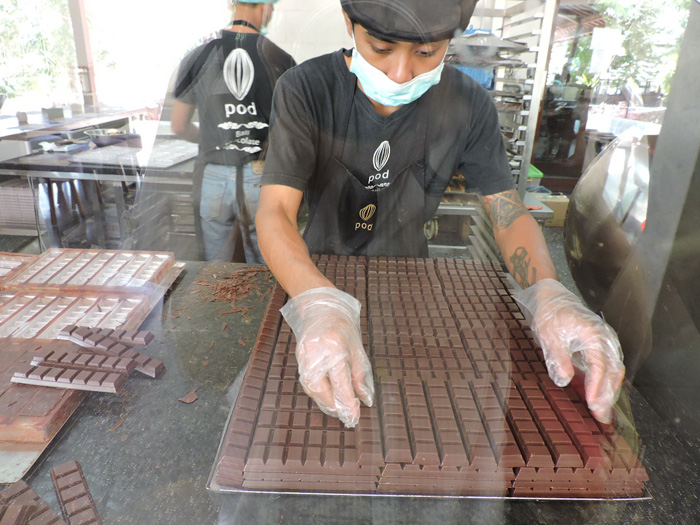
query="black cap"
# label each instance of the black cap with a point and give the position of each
(411, 20)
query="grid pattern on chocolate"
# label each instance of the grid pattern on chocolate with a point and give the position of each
(85, 270)
(73, 494)
(464, 405)
(21, 494)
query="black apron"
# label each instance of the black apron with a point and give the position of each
(349, 219)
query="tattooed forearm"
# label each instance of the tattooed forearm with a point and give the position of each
(521, 271)
(504, 208)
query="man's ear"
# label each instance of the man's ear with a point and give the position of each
(348, 23)
(268, 9)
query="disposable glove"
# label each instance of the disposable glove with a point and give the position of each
(572, 335)
(333, 367)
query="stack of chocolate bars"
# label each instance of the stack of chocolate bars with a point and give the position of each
(100, 361)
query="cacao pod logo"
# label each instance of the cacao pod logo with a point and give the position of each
(239, 73)
(381, 156)
(367, 212)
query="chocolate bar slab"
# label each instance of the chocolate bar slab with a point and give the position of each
(92, 336)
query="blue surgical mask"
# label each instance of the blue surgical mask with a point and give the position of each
(382, 89)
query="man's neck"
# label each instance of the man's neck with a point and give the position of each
(250, 16)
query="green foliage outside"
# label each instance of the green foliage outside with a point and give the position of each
(652, 32)
(37, 52)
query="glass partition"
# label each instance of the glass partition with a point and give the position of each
(426, 166)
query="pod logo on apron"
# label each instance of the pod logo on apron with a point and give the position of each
(366, 215)
(379, 162)
(239, 74)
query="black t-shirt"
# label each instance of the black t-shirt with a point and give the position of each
(231, 81)
(463, 132)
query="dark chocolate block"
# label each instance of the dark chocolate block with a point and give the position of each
(17, 514)
(73, 494)
(28, 505)
(463, 404)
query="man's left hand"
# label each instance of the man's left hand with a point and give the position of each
(571, 335)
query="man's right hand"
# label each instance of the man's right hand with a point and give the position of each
(333, 367)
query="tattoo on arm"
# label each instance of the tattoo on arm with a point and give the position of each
(522, 272)
(505, 207)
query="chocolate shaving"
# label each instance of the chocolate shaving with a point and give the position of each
(190, 396)
(238, 286)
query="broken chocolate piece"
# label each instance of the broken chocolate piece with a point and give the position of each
(190, 396)
(21, 495)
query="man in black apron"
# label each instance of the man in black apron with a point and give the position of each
(230, 81)
(371, 138)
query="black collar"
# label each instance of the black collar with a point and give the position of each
(244, 23)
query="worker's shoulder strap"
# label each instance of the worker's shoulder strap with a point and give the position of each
(196, 68)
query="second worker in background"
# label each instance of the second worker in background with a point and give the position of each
(230, 81)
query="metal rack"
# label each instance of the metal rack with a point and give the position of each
(518, 88)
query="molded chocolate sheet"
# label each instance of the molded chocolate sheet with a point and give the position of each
(464, 406)
(92, 271)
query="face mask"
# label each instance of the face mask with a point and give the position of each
(382, 89)
(266, 22)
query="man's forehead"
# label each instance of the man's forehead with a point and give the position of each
(389, 40)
